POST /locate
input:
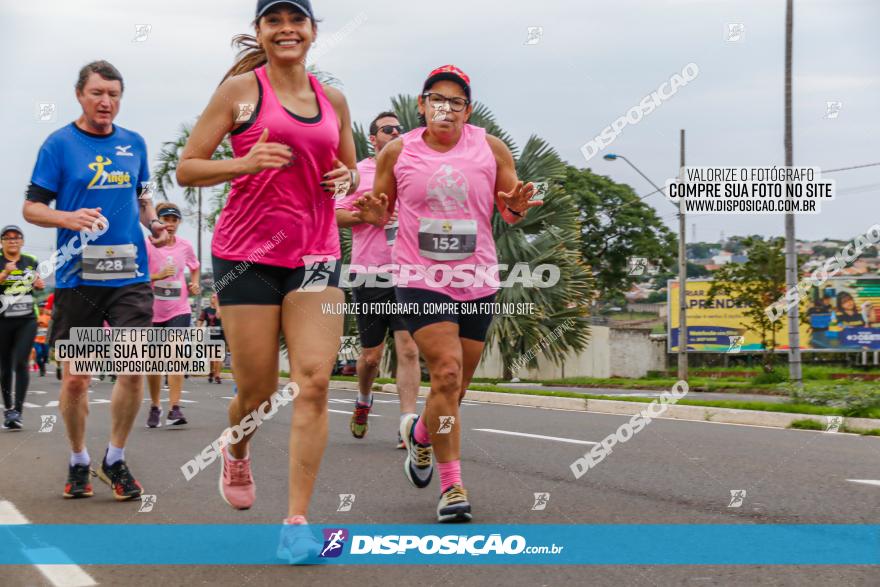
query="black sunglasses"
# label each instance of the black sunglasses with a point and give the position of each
(390, 128)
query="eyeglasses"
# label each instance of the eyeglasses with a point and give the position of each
(12, 238)
(456, 104)
(390, 128)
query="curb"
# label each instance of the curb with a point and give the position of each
(624, 408)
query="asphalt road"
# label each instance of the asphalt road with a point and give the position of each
(671, 472)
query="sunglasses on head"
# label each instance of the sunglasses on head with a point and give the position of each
(390, 128)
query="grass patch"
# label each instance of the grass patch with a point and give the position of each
(787, 408)
(807, 424)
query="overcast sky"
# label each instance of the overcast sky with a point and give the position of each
(594, 62)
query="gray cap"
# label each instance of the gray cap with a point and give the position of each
(11, 228)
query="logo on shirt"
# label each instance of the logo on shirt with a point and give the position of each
(123, 151)
(107, 179)
(447, 190)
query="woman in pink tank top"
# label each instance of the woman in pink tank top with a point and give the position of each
(275, 247)
(444, 180)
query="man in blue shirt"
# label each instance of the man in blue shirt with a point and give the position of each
(97, 173)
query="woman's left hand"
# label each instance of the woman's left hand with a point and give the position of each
(195, 289)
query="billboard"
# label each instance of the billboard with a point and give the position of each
(841, 315)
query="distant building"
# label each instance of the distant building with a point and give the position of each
(722, 258)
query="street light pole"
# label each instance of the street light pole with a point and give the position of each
(682, 265)
(682, 279)
(791, 264)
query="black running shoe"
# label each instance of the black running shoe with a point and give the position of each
(120, 479)
(78, 482)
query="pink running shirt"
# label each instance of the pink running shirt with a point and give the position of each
(444, 206)
(170, 295)
(289, 199)
(369, 244)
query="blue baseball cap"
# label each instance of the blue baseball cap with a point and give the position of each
(304, 6)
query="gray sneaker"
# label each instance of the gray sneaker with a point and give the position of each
(419, 466)
(154, 420)
(175, 417)
(11, 420)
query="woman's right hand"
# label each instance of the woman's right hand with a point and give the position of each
(265, 155)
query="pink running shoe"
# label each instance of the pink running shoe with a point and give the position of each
(236, 483)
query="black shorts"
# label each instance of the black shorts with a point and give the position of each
(182, 321)
(244, 283)
(373, 326)
(473, 317)
(88, 306)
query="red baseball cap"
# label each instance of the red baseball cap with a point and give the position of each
(451, 73)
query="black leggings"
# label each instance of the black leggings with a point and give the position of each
(16, 339)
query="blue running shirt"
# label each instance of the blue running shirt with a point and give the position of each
(91, 171)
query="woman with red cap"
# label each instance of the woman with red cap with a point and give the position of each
(446, 177)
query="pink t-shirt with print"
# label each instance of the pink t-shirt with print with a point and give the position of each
(170, 295)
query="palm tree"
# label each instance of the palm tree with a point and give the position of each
(550, 234)
(169, 159)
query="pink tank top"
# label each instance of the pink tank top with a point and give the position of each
(444, 206)
(286, 203)
(370, 245)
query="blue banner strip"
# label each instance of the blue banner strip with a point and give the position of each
(622, 544)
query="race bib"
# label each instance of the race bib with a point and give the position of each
(164, 289)
(391, 233)
(105, 262)
(215, 330)
(447, 239)
(42, 331)
(18, 306)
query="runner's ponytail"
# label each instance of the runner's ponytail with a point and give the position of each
(251, 55)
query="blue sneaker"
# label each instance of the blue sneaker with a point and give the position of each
(299, 545)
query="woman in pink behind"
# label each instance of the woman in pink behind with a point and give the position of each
(170, 305)
(276, 246)
(447, 176)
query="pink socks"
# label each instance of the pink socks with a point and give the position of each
(420, 433)
(450, 474)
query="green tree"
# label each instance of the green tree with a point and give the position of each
(756, 284)
(164, 176)
(694, 270)
(701, 250)
(616, 225)
(550, 234)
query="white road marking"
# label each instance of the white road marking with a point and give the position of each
(36, 391)
(539, 436)
(58, 575)
(348, 413)
(866, 481)
(52, 404)
(30, 405)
